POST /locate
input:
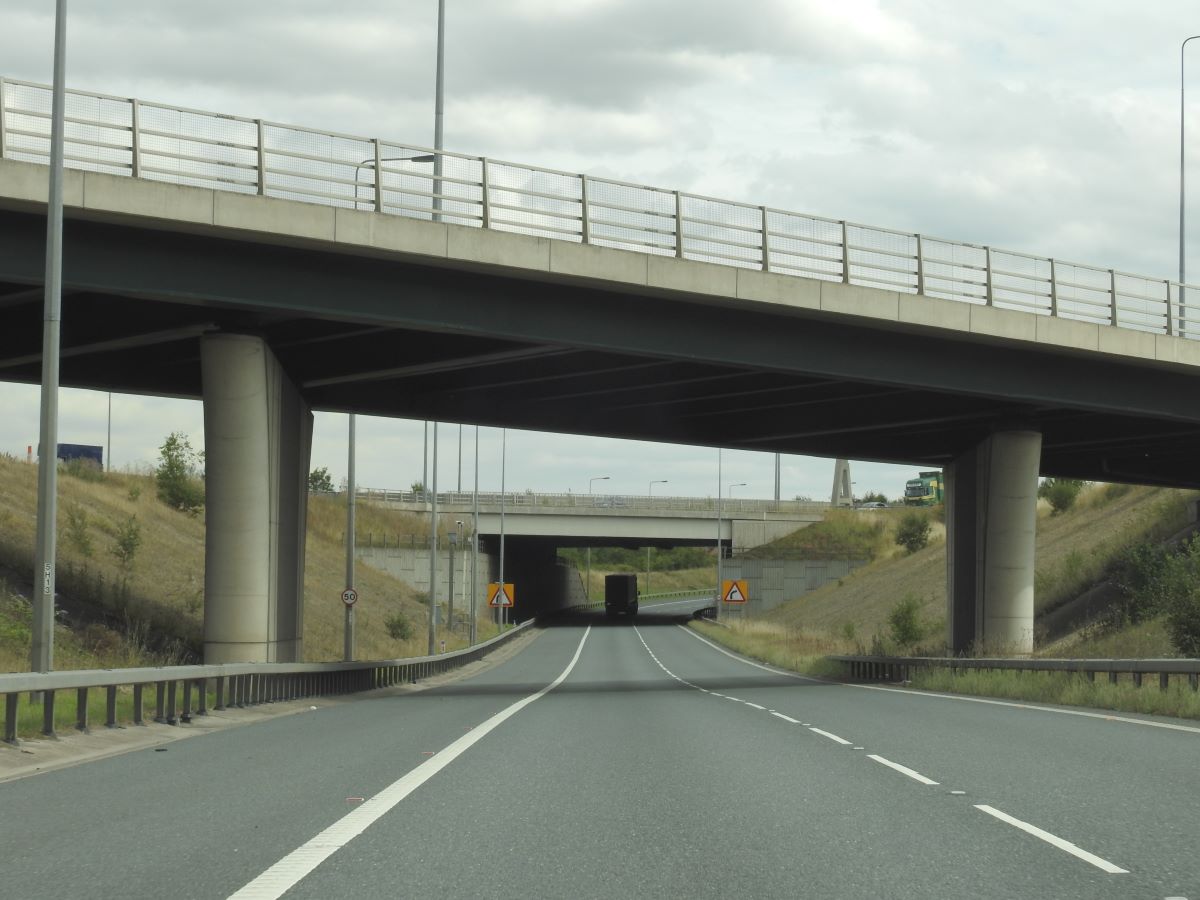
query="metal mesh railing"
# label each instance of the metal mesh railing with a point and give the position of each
(123, 136)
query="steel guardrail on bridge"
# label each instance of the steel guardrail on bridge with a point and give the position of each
(235, 684)
(156, 141)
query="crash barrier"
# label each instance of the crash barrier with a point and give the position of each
(180, 692)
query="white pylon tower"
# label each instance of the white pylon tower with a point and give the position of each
(842, 493)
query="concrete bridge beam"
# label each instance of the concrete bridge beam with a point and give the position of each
(257, 437)
(991, 521)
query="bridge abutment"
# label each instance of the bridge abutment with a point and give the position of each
(991, 521)
(257, 438)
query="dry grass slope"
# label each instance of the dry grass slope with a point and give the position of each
(1072, 551)
(155, 609)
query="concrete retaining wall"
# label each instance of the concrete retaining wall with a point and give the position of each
(772, 581)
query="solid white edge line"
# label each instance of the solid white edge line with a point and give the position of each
(1014, 704)
(748, 662)
(832, 737)
(283, 875)
(1054, 840)
(903, 770)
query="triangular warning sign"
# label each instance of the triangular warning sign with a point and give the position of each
(496, 597)
(735, 592)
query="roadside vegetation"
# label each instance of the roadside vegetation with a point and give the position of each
(1126, 549)
(130, 574)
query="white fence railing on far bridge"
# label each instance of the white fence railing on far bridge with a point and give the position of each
(143, 139)
(613, 504)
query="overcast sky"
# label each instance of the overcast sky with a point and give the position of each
(1046, 127)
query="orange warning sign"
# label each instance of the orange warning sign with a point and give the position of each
(495, 598)
(734, 591)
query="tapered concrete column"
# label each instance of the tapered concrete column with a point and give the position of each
(257, 438)
(991, 522)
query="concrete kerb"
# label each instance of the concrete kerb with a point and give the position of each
(37, 756)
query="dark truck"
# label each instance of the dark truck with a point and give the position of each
(620, 595)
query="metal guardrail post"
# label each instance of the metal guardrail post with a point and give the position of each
(678, 225)
(845, 253)
(378, 178)
(3, 128)
(1170, 312)
(220, 704)
(987, 263)
(585, 228)
(920, 265)
(160, 700)
(171, 717)
(186, 714)
(1112, 295)
(202, 698)
(135, 140)
(766, 243)
(1053, 288)
(81, 709)
(486, 214)
(48, 713)
(10, 717)
(262, 158)
(137, 705)
(110, 707)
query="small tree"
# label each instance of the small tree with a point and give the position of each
(398, 627)
(874, 497)
(417, 487)
(905, 621)
(319, 481)
(178, 474)
(127, 541)
(79, 536)
(1060, 493)
(913, 531)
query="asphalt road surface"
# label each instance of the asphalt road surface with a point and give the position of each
(627, 759)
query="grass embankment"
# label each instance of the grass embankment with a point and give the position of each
(1074, 550)
(807, 654)
(147, 609)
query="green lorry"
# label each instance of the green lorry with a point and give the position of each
(927, 489)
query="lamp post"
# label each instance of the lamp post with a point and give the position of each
(649, 494)
(42, 645)
(433, 543)
(587, 581)
(475, 540)
(1182, 251)
(463, 548)
(348, 621)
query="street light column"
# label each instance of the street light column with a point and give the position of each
(587, 581)
(650, 495)
(1182, 183)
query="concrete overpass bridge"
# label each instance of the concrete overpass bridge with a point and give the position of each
(272, 270)
(617, 520)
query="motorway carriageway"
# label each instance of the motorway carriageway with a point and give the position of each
(626, 759)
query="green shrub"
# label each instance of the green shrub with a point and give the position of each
(904, 621)
(1060, 493)
(127, 541)
(913, 531)
(398, 627)
(78, 535)
(178, 474)
(83, 469)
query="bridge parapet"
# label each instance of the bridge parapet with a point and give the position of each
(159, 142)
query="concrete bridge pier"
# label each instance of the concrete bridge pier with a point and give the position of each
(991, 520)
(257, 439)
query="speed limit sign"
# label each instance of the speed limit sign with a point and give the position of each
(349, 596)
